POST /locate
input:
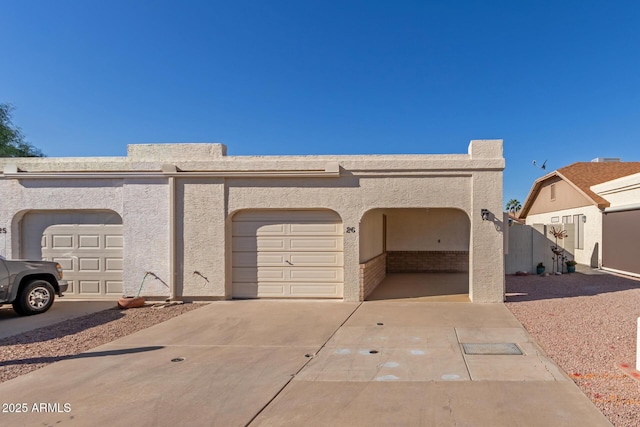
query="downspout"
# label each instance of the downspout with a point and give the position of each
(172, 238)
(172, 230)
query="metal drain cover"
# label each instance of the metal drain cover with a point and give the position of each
(492, 349)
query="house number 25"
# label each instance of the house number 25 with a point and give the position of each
(351, 229)
(3, 230)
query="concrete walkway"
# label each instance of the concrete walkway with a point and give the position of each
(273, 363)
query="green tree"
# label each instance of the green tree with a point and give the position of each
(513, 206)
(12, 143)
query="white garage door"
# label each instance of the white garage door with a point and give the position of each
(286, 254)
(90, 256)
(90, 253)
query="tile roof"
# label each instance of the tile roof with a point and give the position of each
(585, 174)
(582, 175)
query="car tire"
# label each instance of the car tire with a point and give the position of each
(35, 297)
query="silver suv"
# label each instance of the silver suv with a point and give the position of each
(30, 286)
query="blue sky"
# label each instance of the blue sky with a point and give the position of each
(556, 80)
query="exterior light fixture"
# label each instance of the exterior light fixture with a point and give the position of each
(485, 214)
(584, 218)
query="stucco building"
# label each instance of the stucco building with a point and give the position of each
(212, 226)
(601, 199)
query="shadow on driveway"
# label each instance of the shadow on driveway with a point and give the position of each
(39, 360)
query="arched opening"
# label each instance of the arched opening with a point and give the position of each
(415, 253)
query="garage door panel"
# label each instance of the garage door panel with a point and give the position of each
(89, 287)
(317, 259)
(310, 274)
(88, 265)
(65, 263)
(61, 241)
(329, 229)
(250, 229)
(287, 274)
(280, 244)
(315, 244)
(88, 241)
(113, 241)
(279, 259)
(90, 256)
(251, 290)
(284, 254)
(286, 216)
(113, 264)
(113, 287)
(251, 274)
(316, 290)
(252, 244)
(288, 290)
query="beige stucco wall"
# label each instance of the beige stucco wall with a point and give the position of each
(146, 236)
(371, 235)
(427, 229)
(591, 254)
(566, 197)
(210, 188)
(201, 237)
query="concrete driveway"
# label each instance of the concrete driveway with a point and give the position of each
(273, 363)
(13, 324)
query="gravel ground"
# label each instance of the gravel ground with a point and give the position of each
(32, 350)
(587, 323)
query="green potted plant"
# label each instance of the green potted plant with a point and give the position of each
(571, 266)
(540, 268)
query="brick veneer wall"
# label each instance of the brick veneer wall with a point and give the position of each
(427, 261)
(372, 273)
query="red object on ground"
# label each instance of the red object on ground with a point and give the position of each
(131, 302)
(629, 370)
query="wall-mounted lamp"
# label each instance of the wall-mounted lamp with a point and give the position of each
(584, 218)
(485, 214)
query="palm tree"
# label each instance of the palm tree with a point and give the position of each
(513, 206)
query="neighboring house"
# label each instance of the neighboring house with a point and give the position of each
(602, 200)
(212, 226)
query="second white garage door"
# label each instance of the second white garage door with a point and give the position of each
(285, 254)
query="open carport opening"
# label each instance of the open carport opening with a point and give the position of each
(415, 253)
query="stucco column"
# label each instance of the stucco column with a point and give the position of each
(351, 230)
(486, 254)
(202, 239)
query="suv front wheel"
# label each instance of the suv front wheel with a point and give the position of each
(36, 297)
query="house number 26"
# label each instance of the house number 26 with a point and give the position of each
(351, 229)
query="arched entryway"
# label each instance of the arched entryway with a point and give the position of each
(415, 253)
